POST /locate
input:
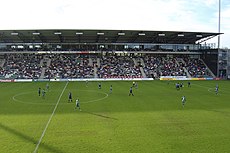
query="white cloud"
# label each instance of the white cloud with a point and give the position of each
(225, 27)
(210, 3)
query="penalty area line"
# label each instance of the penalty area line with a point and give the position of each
(51, 116)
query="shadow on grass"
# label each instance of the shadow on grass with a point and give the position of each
(99, 115)
(28, 139)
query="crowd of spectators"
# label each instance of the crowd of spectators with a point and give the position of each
(21, 66)
(156, 66)
(69, 66)
(34, 66)
(1, 73)
(196, 67)
(118, 67)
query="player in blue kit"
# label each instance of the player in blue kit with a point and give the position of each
(111, 89)
(177, 86)
(39, 91)
(131, 91)
(70, 97)
(189, 84)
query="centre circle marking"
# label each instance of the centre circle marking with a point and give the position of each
(39, 103)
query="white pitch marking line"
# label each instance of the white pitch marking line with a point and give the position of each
(51, 116)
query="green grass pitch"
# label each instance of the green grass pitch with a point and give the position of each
(153, 120)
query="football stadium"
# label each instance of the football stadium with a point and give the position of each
(113, 91)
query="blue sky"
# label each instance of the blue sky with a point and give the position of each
(168, 15)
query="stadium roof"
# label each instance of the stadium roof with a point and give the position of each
(103, 36)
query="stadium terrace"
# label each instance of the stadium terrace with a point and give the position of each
(99, 54)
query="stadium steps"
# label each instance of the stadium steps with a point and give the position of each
(183, 62)
(48, 62)
(2, 62)
(95, 68)
(187, 73)
(135, 62)
(98, 62)
(142, 72)
(41, 62)
(44, 63)
(95, 72)
(90, 62)
(141, 68)
(142, 62)
(42, 73)
(208, 69)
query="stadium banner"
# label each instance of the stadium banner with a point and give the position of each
(23, 80)
(182, 78)
(173, 78)
(209, 78)
(104, 79)
(163, 78)
(7, 80)
(41, 80)
(196, 79)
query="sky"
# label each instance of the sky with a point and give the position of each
(162, 15)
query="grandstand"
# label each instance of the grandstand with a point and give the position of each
(80, 54)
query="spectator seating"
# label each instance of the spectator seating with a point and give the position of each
(22, 66)
(69, 66)
(196, 68)
(156, 66)
(118, 67)
(34, 66)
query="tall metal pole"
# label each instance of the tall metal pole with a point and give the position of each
(218, 75)
(219, 24)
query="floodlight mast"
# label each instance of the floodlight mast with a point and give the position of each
(218, 49)
(219, 24)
